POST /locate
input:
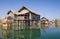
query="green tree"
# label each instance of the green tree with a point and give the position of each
(56, 21)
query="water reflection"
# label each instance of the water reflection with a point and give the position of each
(21, 34)
(56, 25)
(44, 28)
(50, 32)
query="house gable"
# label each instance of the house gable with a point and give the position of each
(9, 12)
(25, 10)
(22, 8)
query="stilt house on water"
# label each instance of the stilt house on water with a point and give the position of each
(24, 17)
(44, 22)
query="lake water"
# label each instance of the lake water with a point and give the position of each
(51, 32)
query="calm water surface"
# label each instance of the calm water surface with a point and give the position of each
(51, 32)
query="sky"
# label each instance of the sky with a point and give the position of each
(46, 8)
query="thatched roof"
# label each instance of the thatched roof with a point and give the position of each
(43, 18)
(30, 10)
(22, 10)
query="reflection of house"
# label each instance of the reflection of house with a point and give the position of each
(44, 21)
(25, 16)
(22, 34)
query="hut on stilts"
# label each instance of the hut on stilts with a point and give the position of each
(16, 21)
